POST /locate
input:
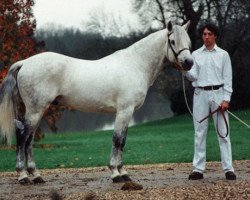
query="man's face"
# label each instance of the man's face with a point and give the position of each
(208, 38)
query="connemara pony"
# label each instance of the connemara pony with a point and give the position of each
(116, 84)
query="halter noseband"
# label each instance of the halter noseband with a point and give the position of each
(176, 54)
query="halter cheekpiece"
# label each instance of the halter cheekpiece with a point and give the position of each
(176, 54)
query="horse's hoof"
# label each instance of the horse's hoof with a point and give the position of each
(25, 181)
(38, 180)
(126, 178)
(118, 179)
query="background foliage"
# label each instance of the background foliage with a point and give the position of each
(16, 33)
(232, 17)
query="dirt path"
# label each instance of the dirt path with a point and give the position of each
(163, 181)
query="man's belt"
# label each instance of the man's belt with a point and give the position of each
(211, 87)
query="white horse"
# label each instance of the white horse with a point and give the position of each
(117, 84)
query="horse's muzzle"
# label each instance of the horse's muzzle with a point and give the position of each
(187, 64)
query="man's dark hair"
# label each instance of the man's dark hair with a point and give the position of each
(211, 27)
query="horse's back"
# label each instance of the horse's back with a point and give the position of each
(98, 86)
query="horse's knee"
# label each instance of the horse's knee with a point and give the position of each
(119, 140)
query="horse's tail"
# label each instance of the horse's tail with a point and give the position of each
(8, 94)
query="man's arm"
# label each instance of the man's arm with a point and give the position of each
(227, 78)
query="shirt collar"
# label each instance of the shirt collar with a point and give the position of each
(203, 48)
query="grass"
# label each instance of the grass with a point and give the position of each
(163, 141)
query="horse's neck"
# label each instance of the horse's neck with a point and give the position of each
(150, 54)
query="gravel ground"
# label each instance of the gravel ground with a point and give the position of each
(161, 181)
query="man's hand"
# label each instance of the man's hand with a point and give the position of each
(224, 105)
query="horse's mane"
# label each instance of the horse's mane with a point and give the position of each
(151, 42)
(156, 36)
(159, 38)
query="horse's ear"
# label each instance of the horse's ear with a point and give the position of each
(186, 26)
(170, 26)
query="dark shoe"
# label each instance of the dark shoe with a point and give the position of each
(230, 176)
(195, 176)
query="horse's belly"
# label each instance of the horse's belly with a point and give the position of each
(96, 108)
(89, 105)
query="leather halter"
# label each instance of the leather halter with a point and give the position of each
(176, 54)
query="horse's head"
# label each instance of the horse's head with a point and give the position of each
(178, 46)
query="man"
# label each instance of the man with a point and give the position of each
(211, 77)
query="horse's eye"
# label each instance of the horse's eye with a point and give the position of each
(172, 42)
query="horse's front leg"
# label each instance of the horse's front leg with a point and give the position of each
(119, 139)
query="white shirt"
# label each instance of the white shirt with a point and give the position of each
(211, 68)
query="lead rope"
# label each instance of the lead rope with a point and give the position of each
(217, 120)
(211, 113)
(233, 115)
(185, 97)
(218, 109)
(226, 123)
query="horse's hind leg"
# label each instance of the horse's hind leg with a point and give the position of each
(31, 166)
(21, 137)
(24, 149)
(32, 119)
(119, 138)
